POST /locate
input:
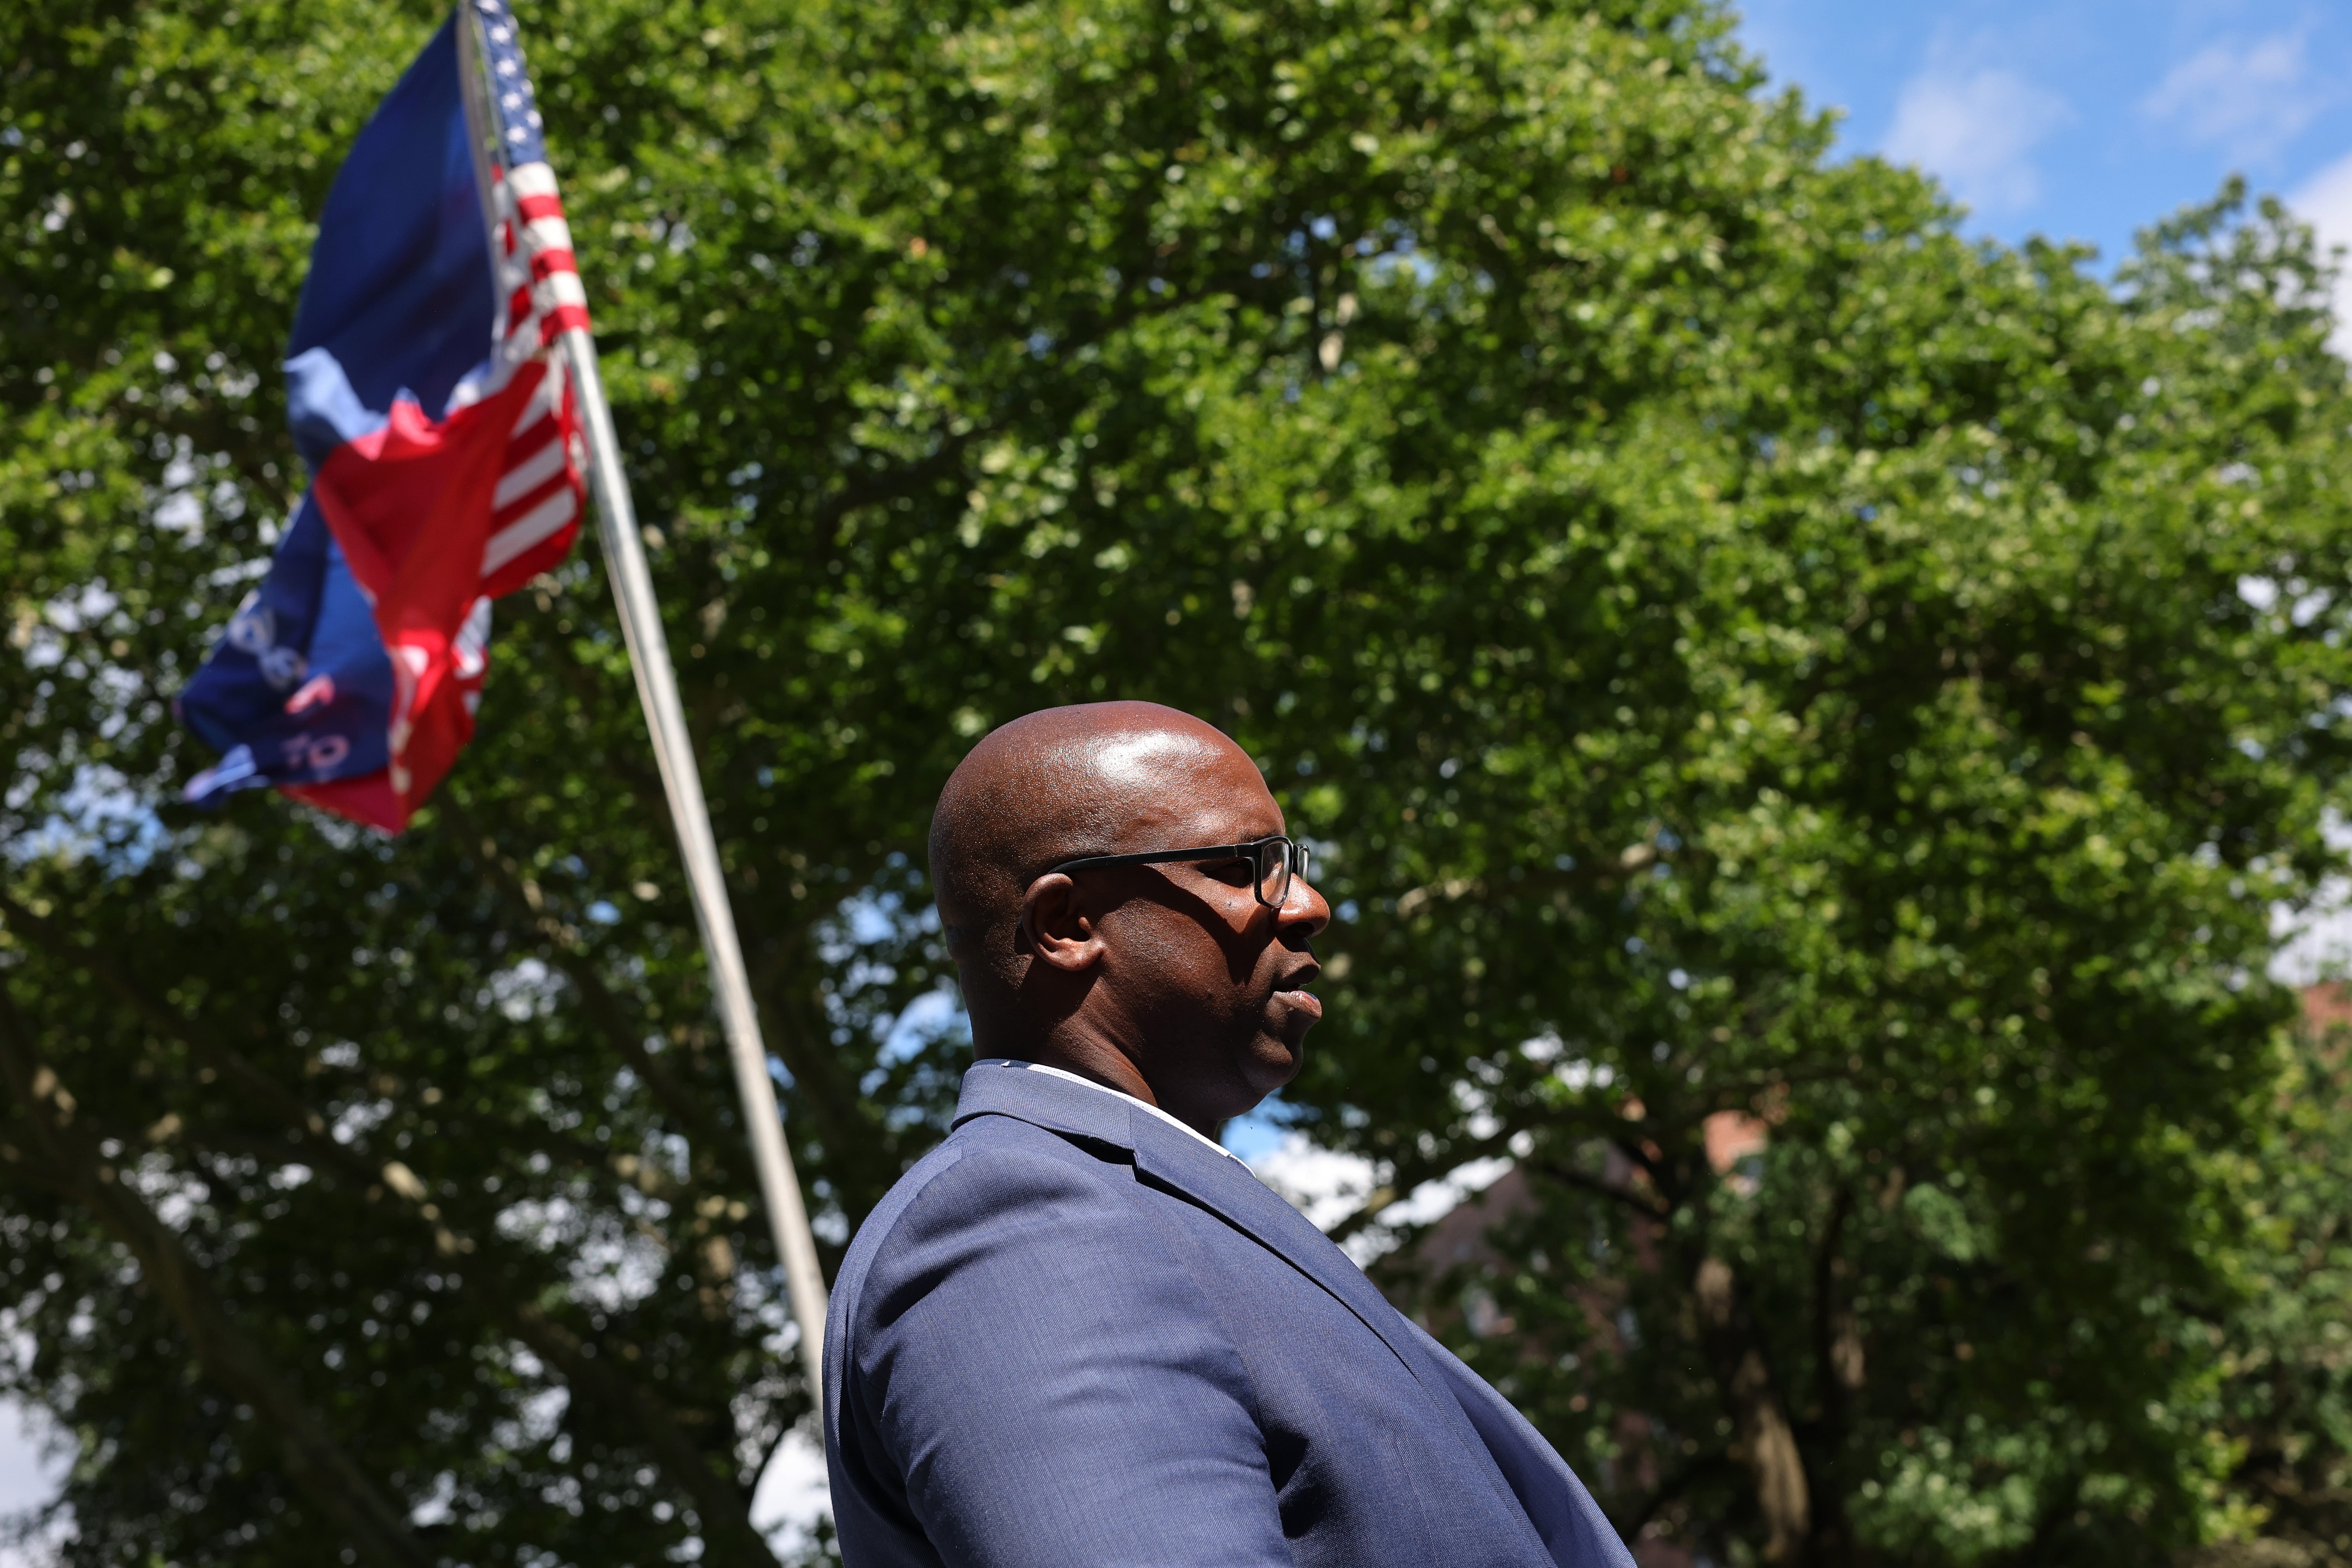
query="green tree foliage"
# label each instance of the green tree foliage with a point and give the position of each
(1746, 649)
(1972, 818)
(2287, 1357)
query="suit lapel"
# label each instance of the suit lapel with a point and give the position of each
(1224, 1187)
(1227, 1189)
(1219, 1185)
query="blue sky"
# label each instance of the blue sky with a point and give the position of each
(2083, 119)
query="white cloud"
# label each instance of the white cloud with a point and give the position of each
(2325, 202)
(1975, 130)
(2248, 100)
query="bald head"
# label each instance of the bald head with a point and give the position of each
(1057, 785)
(1169, 981)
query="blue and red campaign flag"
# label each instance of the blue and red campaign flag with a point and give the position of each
(433, 409)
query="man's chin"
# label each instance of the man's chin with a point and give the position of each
(1271, 1071)
(1279, 1051)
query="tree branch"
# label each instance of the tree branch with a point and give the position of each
(604, 1383)
(724, 1509)
(1672, 1486)
(1768, 1445)
(315, 1462)
(1406, 1182)
(1837, 1378)
(229, 1062)
(1568, 1175)
(604, 1008)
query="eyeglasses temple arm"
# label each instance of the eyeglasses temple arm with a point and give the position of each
(1155, 856)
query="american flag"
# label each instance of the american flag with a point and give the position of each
(430, 396)
(539, 298)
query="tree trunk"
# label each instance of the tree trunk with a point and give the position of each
(721, 1509)
(1838, 1373)
(1766, 1446)
(333, 1483)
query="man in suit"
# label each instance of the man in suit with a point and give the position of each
(1079, 1335)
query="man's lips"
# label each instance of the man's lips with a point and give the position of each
(1292, 990)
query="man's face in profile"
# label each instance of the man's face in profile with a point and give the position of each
(1178, 979)
(1214, 981)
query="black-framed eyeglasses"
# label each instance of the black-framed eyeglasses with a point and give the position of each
(1274, 860)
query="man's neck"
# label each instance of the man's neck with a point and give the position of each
(1095, 1061)
(1100, 1062)
(1184, 1127)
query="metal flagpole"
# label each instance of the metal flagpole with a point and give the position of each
(633, 590)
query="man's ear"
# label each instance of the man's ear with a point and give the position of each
(1054, 930)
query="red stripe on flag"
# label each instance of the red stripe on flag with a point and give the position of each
(529, 503)
(562, 319)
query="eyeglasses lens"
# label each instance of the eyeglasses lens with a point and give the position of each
(1272, 874)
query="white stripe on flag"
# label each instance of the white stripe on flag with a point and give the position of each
(531, 179)
(548, 234)
(529, 474)
(530, 529)
(564, 288)
(543, 399)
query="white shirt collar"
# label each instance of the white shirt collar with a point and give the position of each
(1147, 1109)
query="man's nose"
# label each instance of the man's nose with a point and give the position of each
(1304, 913)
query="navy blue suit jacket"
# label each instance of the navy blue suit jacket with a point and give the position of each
(1074, 1337)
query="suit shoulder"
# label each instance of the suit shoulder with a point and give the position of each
(991, 1179)
(993, 1165)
